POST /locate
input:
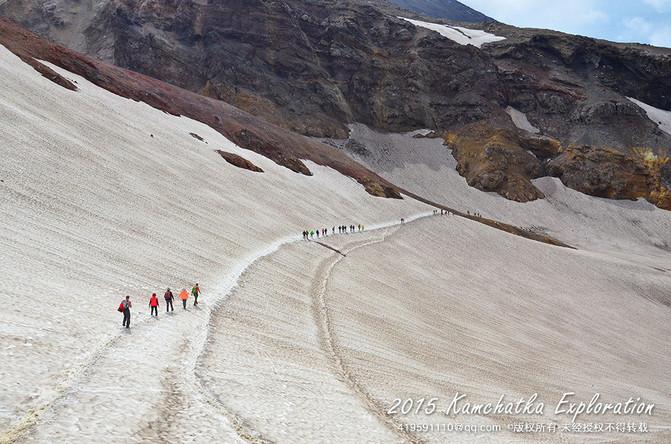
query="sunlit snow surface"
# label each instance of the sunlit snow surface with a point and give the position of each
(461, 35)
(294, 342)
(102, 197)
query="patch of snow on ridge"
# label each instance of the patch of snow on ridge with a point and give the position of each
(463, 36)
(662, 118)
(520, 120)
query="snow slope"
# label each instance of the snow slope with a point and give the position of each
(443, 314)
(463, 36)
(633, 229)
(101, 197)
(662, 118)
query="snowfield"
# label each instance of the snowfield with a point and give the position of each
(296, 341)
(102, 197)
(463, 36)
(632, 229)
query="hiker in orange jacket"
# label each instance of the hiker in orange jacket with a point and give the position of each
(184, 295)
(153, 304)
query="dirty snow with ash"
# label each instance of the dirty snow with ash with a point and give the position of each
(103, 197)
(635, 229)
(294, 342)
(662, 118)
(520, 120)
(461, 35)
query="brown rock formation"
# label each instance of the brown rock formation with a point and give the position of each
(239, 161)
(609, 173)
(501, 160)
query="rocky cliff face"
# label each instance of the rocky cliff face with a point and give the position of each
(445, 9)
(315, 66)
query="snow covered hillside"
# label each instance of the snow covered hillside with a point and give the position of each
(635, 229)
(296, 341)
(444, 315)
(101, 197)
(459, 34)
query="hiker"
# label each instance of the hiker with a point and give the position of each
(402, 220)
(333, 230)
(195, 291)
(184, 295)
(153, 305)
(312, 234)
(126, 304)
(168, 301)
(317, 233)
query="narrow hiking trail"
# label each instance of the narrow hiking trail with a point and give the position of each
(272, 357)
(154, 368)
(329, 339)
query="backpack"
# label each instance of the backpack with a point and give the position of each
(121, 308)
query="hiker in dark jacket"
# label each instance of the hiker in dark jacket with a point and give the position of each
(126, 312)
(168, 301)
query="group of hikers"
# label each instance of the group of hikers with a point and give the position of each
(126, 304)
(323, 232)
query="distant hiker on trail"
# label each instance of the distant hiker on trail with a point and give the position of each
(126, 304)
(312, 233)
(317, 233)
(168, 301)
(333, 230)
(184, 295)
(153, 305)
(195, 291)
(402, 220)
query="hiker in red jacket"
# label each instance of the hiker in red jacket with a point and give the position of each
(168, 301)
(153, 305)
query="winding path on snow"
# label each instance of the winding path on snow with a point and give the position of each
(329, 337)
(92, 388)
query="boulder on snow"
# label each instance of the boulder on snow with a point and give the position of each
(239, 161)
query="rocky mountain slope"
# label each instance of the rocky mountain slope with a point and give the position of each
(314, 67)
(446, 9)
